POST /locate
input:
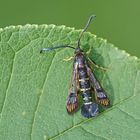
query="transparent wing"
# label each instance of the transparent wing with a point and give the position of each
(100, 94)
(72, 100)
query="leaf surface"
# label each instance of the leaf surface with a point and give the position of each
(34, 87)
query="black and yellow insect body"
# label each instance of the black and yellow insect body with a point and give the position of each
(88, 109)
(85, 82)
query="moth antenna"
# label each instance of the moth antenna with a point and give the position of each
(86, 26)
(57, 47)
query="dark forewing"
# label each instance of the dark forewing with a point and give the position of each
(100, 94)
(72, 100)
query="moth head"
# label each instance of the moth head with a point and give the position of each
(78, 50)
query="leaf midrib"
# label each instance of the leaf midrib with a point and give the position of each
(91, 119)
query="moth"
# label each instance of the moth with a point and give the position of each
(83, 81)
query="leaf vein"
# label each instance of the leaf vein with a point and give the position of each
(3, 104)
(128, 114)
(93, 133)
(37, 105)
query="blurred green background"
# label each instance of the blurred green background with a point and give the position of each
(118, 21)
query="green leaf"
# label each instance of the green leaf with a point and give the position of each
(34, 87)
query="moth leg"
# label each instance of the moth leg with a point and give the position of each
(88, 52)
(93, 63)
(68, 58)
